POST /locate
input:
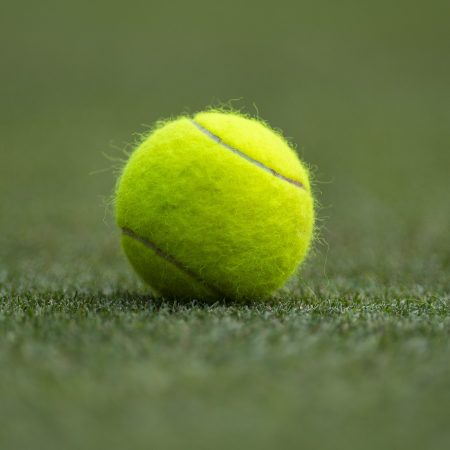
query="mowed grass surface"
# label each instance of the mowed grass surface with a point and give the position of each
(354, 353)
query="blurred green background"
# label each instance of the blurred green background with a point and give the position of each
(361, 87)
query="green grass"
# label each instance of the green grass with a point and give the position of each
(366, 368)
(353, 354)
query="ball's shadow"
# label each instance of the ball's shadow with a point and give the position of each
(126, 300)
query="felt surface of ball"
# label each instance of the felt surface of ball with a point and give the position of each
(215, 206)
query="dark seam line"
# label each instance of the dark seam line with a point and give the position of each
(169, 259)
(217, 139)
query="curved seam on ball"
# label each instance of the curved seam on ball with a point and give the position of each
(170, 259)
(238, 152)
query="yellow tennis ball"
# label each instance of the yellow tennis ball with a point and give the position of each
(215, 206)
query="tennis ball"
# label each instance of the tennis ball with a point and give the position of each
(214, 206)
